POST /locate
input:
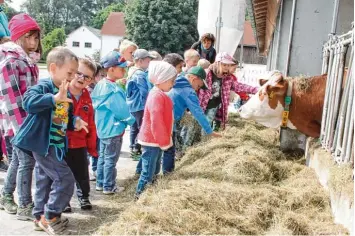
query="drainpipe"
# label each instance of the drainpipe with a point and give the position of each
(278, 34)
(219, 25)
(241, 51)
(335, 17)
(290, 37)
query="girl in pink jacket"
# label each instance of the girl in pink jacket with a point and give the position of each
(156, 131)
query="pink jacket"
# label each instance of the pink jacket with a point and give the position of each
(229, 83)
(158, 119)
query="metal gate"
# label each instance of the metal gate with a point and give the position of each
(337, 130)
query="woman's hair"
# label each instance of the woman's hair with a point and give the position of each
(204, 63)
(32, 32)
(208, 36)
(173, 59)
(126, 44)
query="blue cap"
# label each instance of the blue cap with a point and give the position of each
(113, 59)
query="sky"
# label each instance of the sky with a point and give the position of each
(17, 4)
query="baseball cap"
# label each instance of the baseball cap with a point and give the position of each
(141, 54)
(113, 59)
(200, 73)
(225, 58)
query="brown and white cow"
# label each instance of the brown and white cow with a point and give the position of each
(306, 108)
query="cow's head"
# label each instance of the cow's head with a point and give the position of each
(267, 105)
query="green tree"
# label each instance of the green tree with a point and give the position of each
(53, 39)
(164, 25)
(9, 11)
(101, 16)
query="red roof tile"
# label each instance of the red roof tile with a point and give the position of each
(249, 38)
(114, 25)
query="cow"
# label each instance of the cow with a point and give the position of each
(305, 111)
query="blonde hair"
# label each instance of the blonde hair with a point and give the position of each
(126, 44)
(60, 55)
(191, 53)
(204, 63)
(158, 57)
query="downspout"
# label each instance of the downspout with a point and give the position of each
(335, 17)
(241, 51)
(278, 33)
(219, 25)
(290, 37)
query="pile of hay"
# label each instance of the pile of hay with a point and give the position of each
(239, 184)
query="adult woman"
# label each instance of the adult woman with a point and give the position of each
(205, 47)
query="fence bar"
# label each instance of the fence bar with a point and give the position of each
(349, 122)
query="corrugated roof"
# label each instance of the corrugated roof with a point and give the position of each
(114, 25)
(248, 37)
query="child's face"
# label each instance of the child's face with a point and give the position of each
(233, 68)
(207, 43)
(116, 73)
(196, 83)
(83, 77)
(128, 53)
(30, 42)
(167, 85)
(179, 67)
(65, 72)
(225, 68)
(191, 62)
(144, 63)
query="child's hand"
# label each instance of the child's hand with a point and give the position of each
(80, 124)
(216, 135)
(123, 81)
(62, 95)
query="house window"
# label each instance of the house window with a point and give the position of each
(88, 45)
(76, 44)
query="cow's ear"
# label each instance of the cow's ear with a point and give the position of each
(262, 82)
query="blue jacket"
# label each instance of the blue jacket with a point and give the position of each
(183, 97)
(39, 103)
(111, 111)
(137, 90)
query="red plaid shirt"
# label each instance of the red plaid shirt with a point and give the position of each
(229, 83)
(17, 73)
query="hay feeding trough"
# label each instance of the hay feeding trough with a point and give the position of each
(239, 184)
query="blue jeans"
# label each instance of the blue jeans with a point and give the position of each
(135, 129)
(54, 185)
(92, 159)
(169, 158)
(110, 149)
(151, 158)
(20, 172)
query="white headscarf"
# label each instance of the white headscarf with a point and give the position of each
(160, 71)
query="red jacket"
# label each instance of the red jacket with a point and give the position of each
(78, 139)
(158, 119)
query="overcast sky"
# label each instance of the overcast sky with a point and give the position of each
(16, 4)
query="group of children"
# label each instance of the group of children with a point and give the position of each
(82, 110)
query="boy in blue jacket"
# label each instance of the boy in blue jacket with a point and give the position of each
(43, 133)
(111, 118)
(184, 97)
(137, 90)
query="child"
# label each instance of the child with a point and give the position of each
(81, 142)
(176, 61)
(191, 57)
(205, 47)
(184, 97)
(50, 114)
(111, 118)
(204, 63)
(138, 88)
(215, 100)
(156, 131)
(18, 72)
(126, 50)
(157, 56)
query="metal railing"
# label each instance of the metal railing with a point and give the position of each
(337, 130)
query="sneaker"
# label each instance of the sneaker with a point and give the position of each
(7, 203)
(3, 166)
(93, 176)
(67, 209)
(85, 204)
(113, 191)
(65, 222)
(99, 188)
(25, 213)
(55, 226)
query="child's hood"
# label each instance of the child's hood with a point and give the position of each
(12, 50)
(103, 90)
(182, 82)
(132, 70)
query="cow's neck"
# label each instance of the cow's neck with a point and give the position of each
(307, 106)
